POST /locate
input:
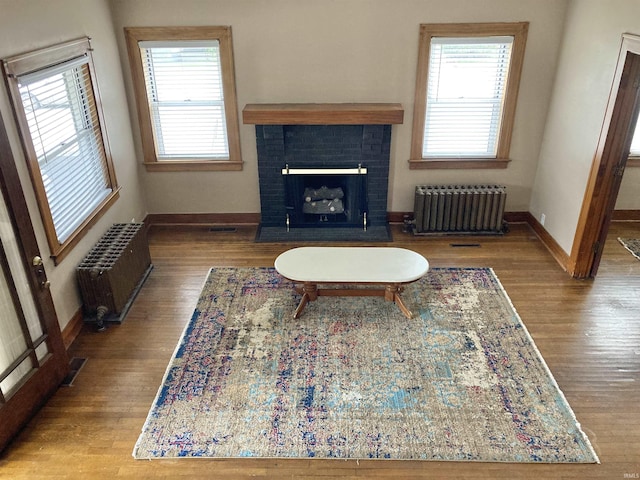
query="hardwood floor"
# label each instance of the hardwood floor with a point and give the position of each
(587, 330)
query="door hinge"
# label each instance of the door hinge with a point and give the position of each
(596, 247)
(618, 171)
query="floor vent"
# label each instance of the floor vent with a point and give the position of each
(75, 365)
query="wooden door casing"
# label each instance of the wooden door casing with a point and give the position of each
(43, 381)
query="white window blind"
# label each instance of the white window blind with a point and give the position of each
(186, 99)
(635, 143)
(64, 128)
(466, 86)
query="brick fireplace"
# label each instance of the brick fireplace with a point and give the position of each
(307, 152)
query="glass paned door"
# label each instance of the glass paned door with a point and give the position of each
(22, 339)
(33, 358)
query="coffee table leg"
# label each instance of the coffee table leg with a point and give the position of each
(403, 307)
(309, 294)
(392, 294)
(301, 305)
(311, 289)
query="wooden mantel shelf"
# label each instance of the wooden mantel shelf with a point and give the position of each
(322, 113)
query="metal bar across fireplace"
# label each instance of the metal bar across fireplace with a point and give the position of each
(360, 170)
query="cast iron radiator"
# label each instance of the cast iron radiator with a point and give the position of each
(113, 271)
(459, 209)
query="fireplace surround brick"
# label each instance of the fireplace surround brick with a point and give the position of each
(322, 146)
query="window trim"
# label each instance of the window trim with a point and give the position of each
(428, 30)
(134, 35)
(41, 59)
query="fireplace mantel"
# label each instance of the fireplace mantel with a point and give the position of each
(322, 113)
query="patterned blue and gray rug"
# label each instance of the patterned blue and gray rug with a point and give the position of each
(353, 378)
(631, 244)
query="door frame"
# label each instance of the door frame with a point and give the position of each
(43, 381)
(609, 162)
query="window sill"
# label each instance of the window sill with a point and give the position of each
(633, 161)
(189, 166)
(452, 163)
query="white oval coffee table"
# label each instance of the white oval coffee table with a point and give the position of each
(390, 267)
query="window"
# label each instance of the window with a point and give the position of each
(185, 93)
(466, 91)
(634, 152)
(635, 144)
(56, 101)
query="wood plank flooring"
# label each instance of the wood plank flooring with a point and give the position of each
(587, 330)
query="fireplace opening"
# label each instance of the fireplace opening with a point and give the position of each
(325, 197)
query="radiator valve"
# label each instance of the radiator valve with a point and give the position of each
(101, 312)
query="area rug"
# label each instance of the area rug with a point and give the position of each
(354, 379)
(631, 244)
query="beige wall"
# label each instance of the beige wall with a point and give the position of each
(345, 51)
(588, 58)
(629, 195)
(28, 25)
